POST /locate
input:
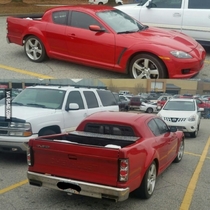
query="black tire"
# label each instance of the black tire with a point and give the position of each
(34, 49)
(150, 175)
(194, 134)
(100, 3)
(149, 110)
(180, 152)
(147, 71)
(47, 132)
(119, 3)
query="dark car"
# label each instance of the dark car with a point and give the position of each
(123, 104)
(135, 102)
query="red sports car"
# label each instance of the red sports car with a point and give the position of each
(107, 38)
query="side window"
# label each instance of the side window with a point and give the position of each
(60, 17)
(82, 20)
(91, 99)
(196, 4)
(107, 98)
(162, 126)
(75, 97)
(154, 128)
(167, 3)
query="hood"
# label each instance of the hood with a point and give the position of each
(26, 113)
(179, 114)
(169, 38)
(130, 6)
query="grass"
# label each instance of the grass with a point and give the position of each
(7, 7)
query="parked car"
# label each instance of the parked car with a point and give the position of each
(119, 2)
(44, 110)
(124, 97)
(182, 113)
(107, 38)
(162, 100)
(181, 16)
(124, 92)
(148, 107)
(122, 102)
(135, 102)
(110, 155)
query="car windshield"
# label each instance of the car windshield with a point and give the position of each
(40, 98)
(180, 106)
(120, 22)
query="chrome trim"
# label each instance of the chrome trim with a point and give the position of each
(87, 189)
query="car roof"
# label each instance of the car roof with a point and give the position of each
(88, 7)
(55, 87)
(182, 99)
(118, 117)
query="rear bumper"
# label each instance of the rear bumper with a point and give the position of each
(78, 187)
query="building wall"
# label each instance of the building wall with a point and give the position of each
(187, 86)
(135, 86)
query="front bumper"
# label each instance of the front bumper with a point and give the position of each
(78, 187)
(187, 68)
(185, 127)
(15, 144)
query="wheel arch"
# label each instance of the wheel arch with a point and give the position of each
(40, 37)
(55, 128)
(144, 52)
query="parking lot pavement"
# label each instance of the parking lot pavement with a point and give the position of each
(182, 186)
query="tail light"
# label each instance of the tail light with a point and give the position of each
(29, 155)
(123, 170)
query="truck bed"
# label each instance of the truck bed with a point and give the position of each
(78, 153)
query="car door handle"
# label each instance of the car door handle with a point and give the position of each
(177, 15)
(71, 35)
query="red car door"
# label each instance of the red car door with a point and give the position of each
(170, 138)
(55, 34)
(89, 46)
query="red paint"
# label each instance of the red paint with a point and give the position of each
(98, 164)
(108, 50)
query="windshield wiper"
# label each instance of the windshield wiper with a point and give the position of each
(17, 103)
(126, 32)
(37, 105)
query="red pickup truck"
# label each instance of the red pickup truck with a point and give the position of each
(109, 155)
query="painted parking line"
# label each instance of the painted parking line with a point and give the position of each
(21, 71)
(12, 187)
(207, 61)
(193, 154)
(192, 184)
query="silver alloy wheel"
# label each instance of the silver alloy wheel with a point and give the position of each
(181, 151)
(144, 68)
(151, 179)
(33, 49)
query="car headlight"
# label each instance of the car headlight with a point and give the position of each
(20, 129)
(192, 118)
(180, 54)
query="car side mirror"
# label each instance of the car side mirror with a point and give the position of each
(201, 109)
(96, 28)
(149, 4)
(173, 129)
(73, 106)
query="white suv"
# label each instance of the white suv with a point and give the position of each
(44, 110)
(182, 113)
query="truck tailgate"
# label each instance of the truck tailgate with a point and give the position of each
(75, 161)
